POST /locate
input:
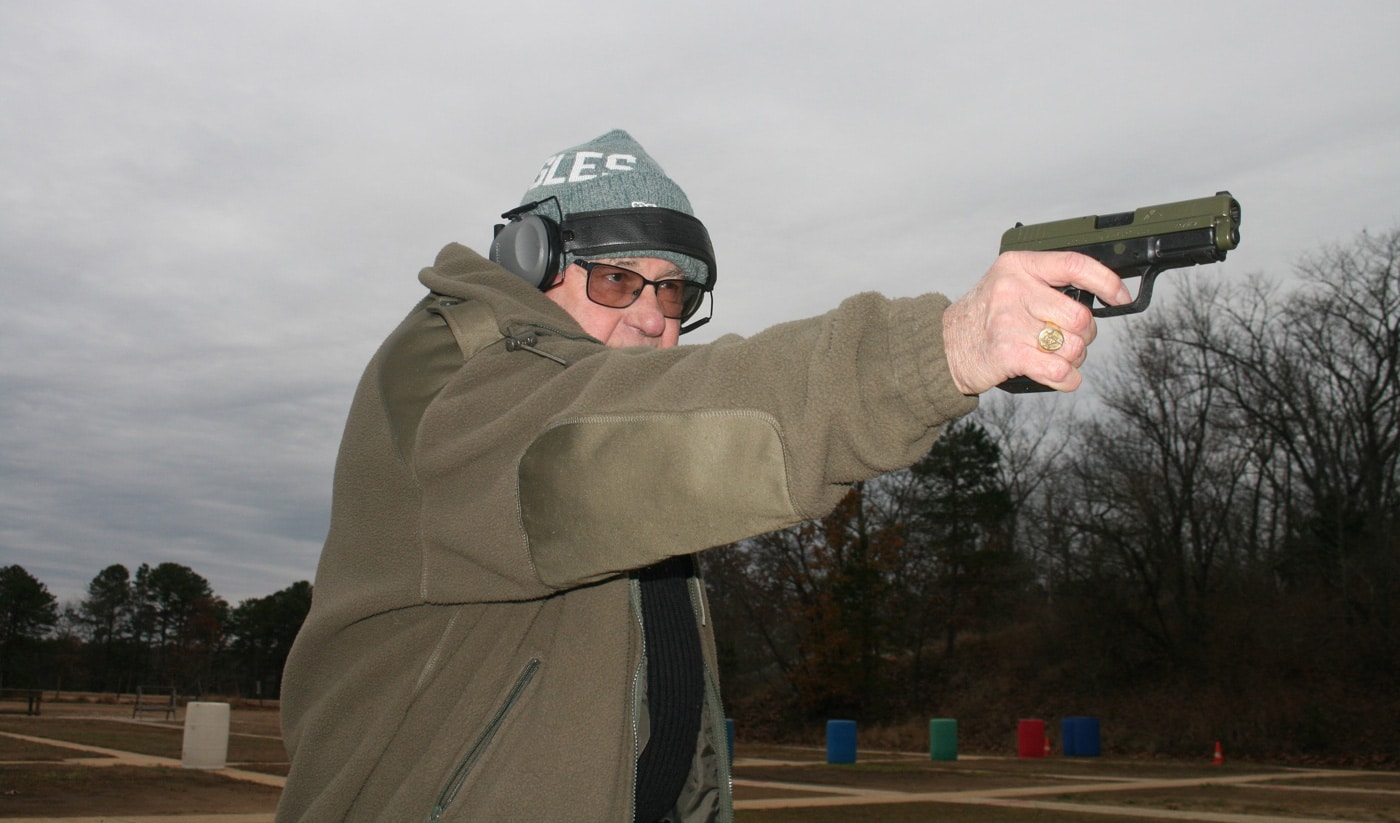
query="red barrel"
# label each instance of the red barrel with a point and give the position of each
(1030, 738)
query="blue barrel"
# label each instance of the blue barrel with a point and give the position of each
(1069, 741)
(1081, 736)
(840, 741)
(943, 738)
(1086, 737)
(729, 736)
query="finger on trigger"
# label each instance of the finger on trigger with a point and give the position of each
(1090, 275)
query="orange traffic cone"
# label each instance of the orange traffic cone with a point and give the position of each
(1047, 745)
(1219, 755)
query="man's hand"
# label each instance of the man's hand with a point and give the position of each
(990, 334)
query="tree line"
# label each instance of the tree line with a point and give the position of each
(162, 626)
(1209, 550)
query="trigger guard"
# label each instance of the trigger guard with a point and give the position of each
(1139, 304)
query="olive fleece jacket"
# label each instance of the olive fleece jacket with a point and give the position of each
(474, 648)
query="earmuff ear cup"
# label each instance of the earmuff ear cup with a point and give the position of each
(530, 247)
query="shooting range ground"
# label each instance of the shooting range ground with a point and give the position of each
(90, 760)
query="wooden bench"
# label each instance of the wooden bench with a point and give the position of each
(161, 699)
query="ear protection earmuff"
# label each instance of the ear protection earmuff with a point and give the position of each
(530, 246)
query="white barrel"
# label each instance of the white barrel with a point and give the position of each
(206, 736)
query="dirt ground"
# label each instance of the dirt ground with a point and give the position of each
(1047, 790)
(50, 780)
(93, 759)
(79, 791)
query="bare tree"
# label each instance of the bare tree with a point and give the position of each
(1165, 473)
(1314, 374)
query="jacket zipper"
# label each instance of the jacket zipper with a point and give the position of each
(636, 597)
(718, 726)
(464, 768)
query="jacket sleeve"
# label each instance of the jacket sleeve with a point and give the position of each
(644, 454)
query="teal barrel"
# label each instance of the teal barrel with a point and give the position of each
(943, 738)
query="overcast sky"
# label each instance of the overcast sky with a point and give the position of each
(211, 213)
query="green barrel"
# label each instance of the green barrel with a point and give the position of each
(943, 738)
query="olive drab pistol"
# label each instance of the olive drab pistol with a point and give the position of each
(1141, 244)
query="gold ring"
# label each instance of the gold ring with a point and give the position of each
(1050, 338)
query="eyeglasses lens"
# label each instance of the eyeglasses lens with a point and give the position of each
(620, 288)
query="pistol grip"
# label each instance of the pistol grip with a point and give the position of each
(1025, 385)
(1022, 385)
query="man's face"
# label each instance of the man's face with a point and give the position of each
(640, 324)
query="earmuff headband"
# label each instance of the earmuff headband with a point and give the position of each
(598, 233)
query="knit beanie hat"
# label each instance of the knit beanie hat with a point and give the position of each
(611, 172)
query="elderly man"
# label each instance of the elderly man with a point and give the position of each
(507, 622)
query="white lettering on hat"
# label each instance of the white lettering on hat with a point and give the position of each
(622, 162)
(582, 165)
(546, 175)
(584, 162)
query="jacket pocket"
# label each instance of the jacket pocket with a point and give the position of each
(483, 741)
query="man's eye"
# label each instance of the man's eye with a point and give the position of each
(670, 285)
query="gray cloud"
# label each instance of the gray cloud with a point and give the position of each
(210, 214)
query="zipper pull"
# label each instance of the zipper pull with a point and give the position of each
(527, 343)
